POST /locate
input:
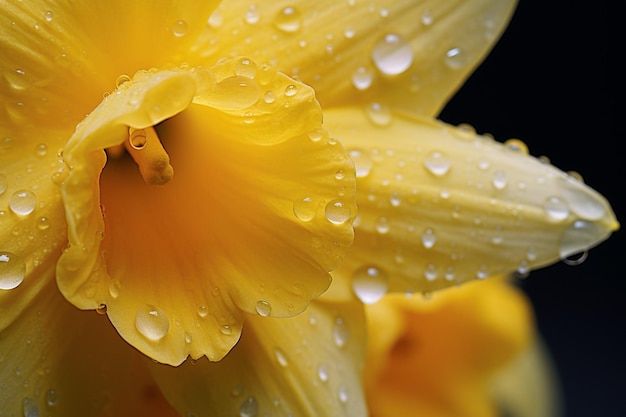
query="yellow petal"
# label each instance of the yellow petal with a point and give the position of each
(308, 365)
(441, 361)
(55, 360)
(528, 386)
(410, 55)
(258, 211)
(59, 58)
(440, 205)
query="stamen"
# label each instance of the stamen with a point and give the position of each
(146, 149)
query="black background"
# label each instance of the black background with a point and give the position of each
(552, 81)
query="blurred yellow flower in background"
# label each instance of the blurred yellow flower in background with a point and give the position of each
(192, 170)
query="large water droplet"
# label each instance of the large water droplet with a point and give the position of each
(337, 212)
(30, 407)
(263, 308)
(304, 209)
(203, 311)
(437, 164)
(23, 202)
(392, 54)
(288, 20)
(152, 322)
(578, 236)
(49, 16)
(12, 270)
(556, 208)
(369, 283)
(234, 93)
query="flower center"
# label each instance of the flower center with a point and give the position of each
(144, 146)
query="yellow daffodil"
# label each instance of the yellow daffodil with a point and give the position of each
(168, 164)
(439, 357)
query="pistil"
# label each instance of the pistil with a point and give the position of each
(144, 146)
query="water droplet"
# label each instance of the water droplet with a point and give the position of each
(427, 17)
(281, 358)
(12, 270)
(582, 202)
(48, 16)
(23, 202)
(263, 308)
(523, 270)
(577, 237)
(246, 68)
(382, 225)
(138, 139)
(340, 174)
(482, 272)
(235, 93)
(122, 79)
(429, 238)
(449, 274)
(455, 58)
(304, 209)
(499, 180)
(369, 283)
(483, 165)
(392, 54)
(102, 309)
(531, 254)
(379, 114)
(362, 161)
(395, 200)
(317, 135)
(288, 20)
(516, 145)
(291, 90)
(252, 16)
(342, 393)
(249, 408)
(226, 330)
(180, 28)
(269, 97)
(51, 398)
(30, 407)
(152, 322)
(203, 311)
(556, 208)
(349, 32)
(437, 164)
(430, 272)
(340, 332)
(41, 149)
(4, 184)
(362, 78)
(322, 372)
(337, 212)
(216, 19)
(576, 259)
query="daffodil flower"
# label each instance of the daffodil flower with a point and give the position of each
(168, 164)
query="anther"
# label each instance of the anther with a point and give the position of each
(144, 146)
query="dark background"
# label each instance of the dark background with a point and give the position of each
(552, 81)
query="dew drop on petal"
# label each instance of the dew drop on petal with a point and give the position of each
(576, 237)
(304, 209)
(362, 78)
(30, 407)
(369, 283)
(152, 322)
(23, 202)
(392, 54)
(203, 311)
(281, 358)
(378, 113)
(340, 332)
(427, 17)
(437, 164)
(362, 161)
(226, 330)
(429, 238)
(455, 58)
(556, 208)
(263, 308)
(382, 225)
(322, 372)
(269, 97)
(499, 180)
(291, 90)
(249, 408)
(343, 393)
(51, 398)
(48, 16)
(246, 68)
(12, 270)
(288, 20)
(337, 212)
(180, 28)
(430, 272)
(252, 16)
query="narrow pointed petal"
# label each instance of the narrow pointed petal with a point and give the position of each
(442, 357)
(440, 205)
(308, 365)
(409, 55)
(55, 360)
(256, 232)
